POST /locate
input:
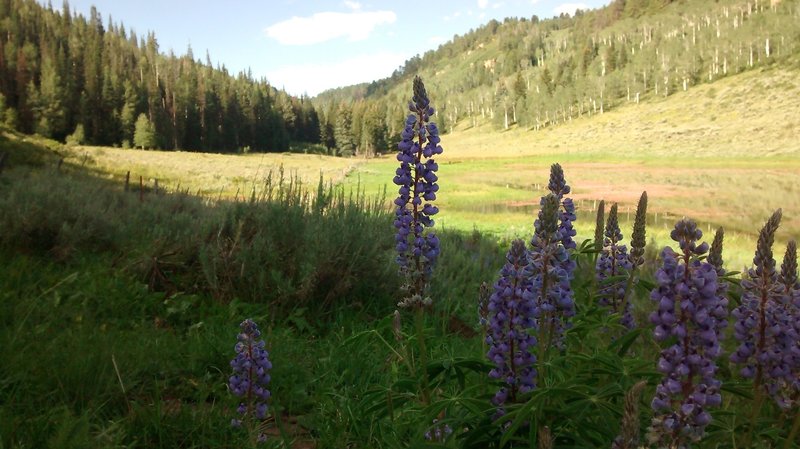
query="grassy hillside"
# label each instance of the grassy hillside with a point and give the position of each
(538, 74)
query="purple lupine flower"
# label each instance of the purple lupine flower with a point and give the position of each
(715, 259)
(687, 301)
(558, 186)
(512, 316)
(438, 433)
(764, 325)
(250, 378)
(550, 276)
(417, 180)
(612, 263)
(790, 344)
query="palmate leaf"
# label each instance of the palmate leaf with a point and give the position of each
(442, 371)
(622, 344)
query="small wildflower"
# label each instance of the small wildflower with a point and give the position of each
(438, 432)
(250, 378)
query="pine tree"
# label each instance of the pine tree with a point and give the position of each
(144, 136)
(345, 140)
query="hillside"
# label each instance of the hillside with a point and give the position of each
(537, 74)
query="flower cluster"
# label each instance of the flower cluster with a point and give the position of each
(549, 266)
(688, 314)
(250, 377)
(638, 236)
(612, 263)
(417, 181)
(715, 259)
(791, 287)
(558, 187)
(512, 317)
(438, 433)
(766, 321)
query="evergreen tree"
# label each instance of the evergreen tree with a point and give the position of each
(144, 136)
(345, 140)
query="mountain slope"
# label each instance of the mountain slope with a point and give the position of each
(540, 73)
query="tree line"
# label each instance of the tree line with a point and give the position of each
(76, 78)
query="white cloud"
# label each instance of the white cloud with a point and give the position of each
(482, 4)
(355, 6)
(325, 26)
(569, 8)
(313, 78)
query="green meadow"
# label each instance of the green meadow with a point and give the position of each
(725, 155)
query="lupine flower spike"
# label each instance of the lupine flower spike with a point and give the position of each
(715, 259)
(414, 210)
(790, 348)
(558, 187)
(638, 237)
(548, 267)
(599, 227)
(687, 315)
(250, 379)
(613, 263)
(512, 316)
(762, 326)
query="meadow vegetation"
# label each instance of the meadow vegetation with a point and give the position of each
(120, 308)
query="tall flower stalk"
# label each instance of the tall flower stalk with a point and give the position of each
(636, 256)
(687, 316)
(558, 186)
(613, 263)
(250, 381)
(764, 326)
(791, 352)
(417, 250)
(550, 279)
(512, 324)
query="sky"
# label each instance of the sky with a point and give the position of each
(308, 46)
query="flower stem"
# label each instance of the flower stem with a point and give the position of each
(419, 321)
(793, 433)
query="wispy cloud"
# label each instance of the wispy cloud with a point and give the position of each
(313, 78)
(325, 26)
(355, 6)
(569, 8)
(482, 4)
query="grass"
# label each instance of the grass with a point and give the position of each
(208, 174)
(725, 154)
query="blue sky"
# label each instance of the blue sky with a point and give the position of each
(310, 46)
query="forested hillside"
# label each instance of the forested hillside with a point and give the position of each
(65, 75)
(536, 73)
